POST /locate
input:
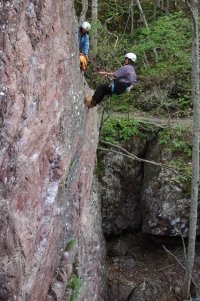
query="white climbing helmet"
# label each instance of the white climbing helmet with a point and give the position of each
(86, 26)
(131, 56)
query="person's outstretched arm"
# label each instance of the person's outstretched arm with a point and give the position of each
(102, 73)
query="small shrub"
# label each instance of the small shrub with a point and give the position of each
(70, 244)
(74, 284)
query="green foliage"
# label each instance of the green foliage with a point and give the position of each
(181, 165)
(74, 284)
(116, 128)
(177, 141)
(123, 103)
(181, 145)
(171, 37)
(109, 130)
(70, 244)
(174, 136)
(114, 14)
(127, 128)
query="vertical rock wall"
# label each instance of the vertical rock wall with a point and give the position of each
(48, 145)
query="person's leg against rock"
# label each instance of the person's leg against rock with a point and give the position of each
(101, 90)
(89, 102)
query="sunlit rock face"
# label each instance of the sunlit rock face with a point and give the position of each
(48, 147)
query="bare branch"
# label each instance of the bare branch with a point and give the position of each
(128, 155)
(116, 38)
(184, 249)
(84, 11)
(169, 266)
(174, 258)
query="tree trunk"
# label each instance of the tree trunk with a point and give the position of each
(155, 11)
(84, 11)
(146, 25)
(94, 37)
(132, 17)
(167, 7)
(193, 7)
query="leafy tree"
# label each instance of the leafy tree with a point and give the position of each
(173, 49)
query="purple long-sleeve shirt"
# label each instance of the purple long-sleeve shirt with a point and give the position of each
(126, 74)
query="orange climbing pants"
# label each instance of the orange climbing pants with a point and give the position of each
(83, 62)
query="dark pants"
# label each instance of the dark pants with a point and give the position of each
(105, 89)
(101, 90)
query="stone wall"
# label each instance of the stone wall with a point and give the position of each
(48, 147)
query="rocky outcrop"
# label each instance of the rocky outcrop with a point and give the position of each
(48, 146)
(122, 182)
(141, 195)
(165, 199)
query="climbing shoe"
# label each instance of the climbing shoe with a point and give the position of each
(89, 102)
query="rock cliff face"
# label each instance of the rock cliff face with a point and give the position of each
(48, 145)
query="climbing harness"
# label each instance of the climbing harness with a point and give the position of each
(118, 87)
(112, 86)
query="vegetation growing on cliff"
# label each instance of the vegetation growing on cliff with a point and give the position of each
(74, 284)
(174, 140)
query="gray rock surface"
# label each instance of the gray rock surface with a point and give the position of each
(142, 195)
(165, 199)
(121, 190)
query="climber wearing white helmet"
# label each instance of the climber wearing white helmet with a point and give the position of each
(83, 38)
(125, 79)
